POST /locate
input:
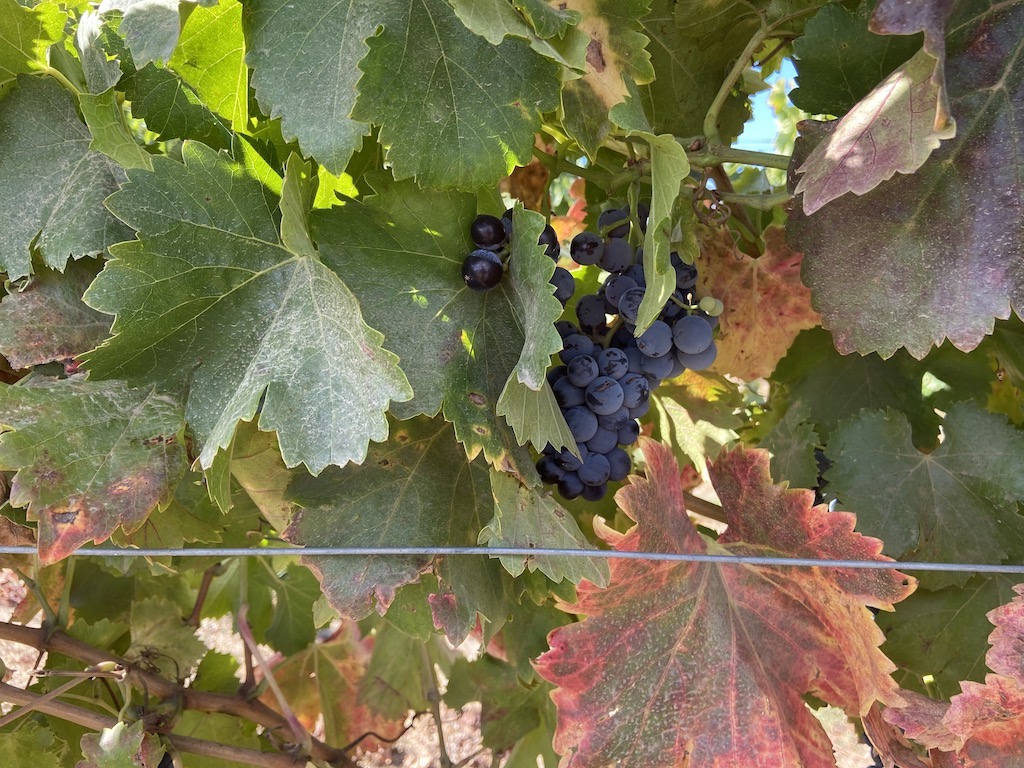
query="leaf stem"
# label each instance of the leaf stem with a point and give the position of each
(711, 153)
(761, 202)
(61, 78)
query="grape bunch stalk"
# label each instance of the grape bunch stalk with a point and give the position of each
(604, 382)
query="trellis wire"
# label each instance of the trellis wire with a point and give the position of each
(679, 557)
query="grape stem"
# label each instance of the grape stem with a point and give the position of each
(708, 153)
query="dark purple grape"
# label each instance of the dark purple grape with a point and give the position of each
(482, 270)
(487, 231)
(586, 248)
(565, 284)
(656, 341)
(712, 321)
(594, 492)
(603, 440)
(506, 222)
(686, 275)
(574, 345)
(615, 286)
(657, 368)
(565, 328)
(569, 461)
(629, 433)
(641, 410)
(614, 421)
(582, 370)
(612, 362)
(549, 470)
(643, 212)
(594, 470)
(618, 463)
(635, 390)
(617, 256)
(671, 311)
(691, 334)
(590, 311)
(604, 396)
(567, 394)
(549, 239)
(636, 272)
(570, 486)
(677, 367)
(609, 218)
(699, 361)
(582, 423)
(555, 373)
(622, 338)
(635, 359)
(629, 304)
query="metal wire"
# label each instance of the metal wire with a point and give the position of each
(795, 562)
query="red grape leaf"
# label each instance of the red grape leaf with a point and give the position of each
(766, 305)
(984, 724)
(711, 662)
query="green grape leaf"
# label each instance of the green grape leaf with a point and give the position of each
(53, 184)
(291, 626)
(151, 27)
(698, 648)
(455, 112)
(791, 443)
(223, 729)
(418, 489)
(110, 135)
(32, 746)
(836, 387)
(122, 746)
(190, 517)
(839, 60)
(25, 34)
(957, 504)
(393, 683)
(162, 639)
(548, 19)
(891, 130)
(90, 456)
(534, 415)
(524, 517)
(401, 253)
(48, 321)
(210, 57)
(943, 633)
(678, 424)
(172, 109)
(92, 37)
(244, 318)
(934, 264)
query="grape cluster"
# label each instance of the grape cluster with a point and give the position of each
(604, 382)
(483, 268)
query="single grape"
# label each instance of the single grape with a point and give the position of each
(594, 492)
(567, 394)
(575, 345)
(549, 239)
(629, 433)
(603, 440)
(643, 212)
(604, 396)
(677, 367)
(482, 270)
(582, 370)
(615, 286)
(506, 222)
(657, 368)
(612, 217)
(549, 470)
(570, 486)
(594, 470)
(622, 338)
(612, 362)
(671, 312)
(700, 360)
(691, 334)
(618, 463)
(712, 321)
(569, 461)
(635, 389)
(617, 256)
(565, 284)
(629, 304)
(582, 423)
(586, 248)
(636, 272)
(635, 358)
(555, 373)
(590, 311)
(656, 341)
(565, 328)
(487, 231)
(613, 422)
(641, 410)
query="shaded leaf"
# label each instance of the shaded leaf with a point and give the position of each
(791, 442)
(122, 746)
(523, 517)
(257, 466)
(246, 320)
(942, 633)
(53, 184)
(934, 263)
(679, 424)
(91, 456)
(161, 640)
(33, 745)
(458, 346)
(48, 321)
(324, 680)
(957, 504)
(25, 34)
(839, 61)
(416, 490)
(984, 724)
(291, 627)
(726, 644)
(766, 305)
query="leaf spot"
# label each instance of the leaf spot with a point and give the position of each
(595, 56)
(477, 399)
